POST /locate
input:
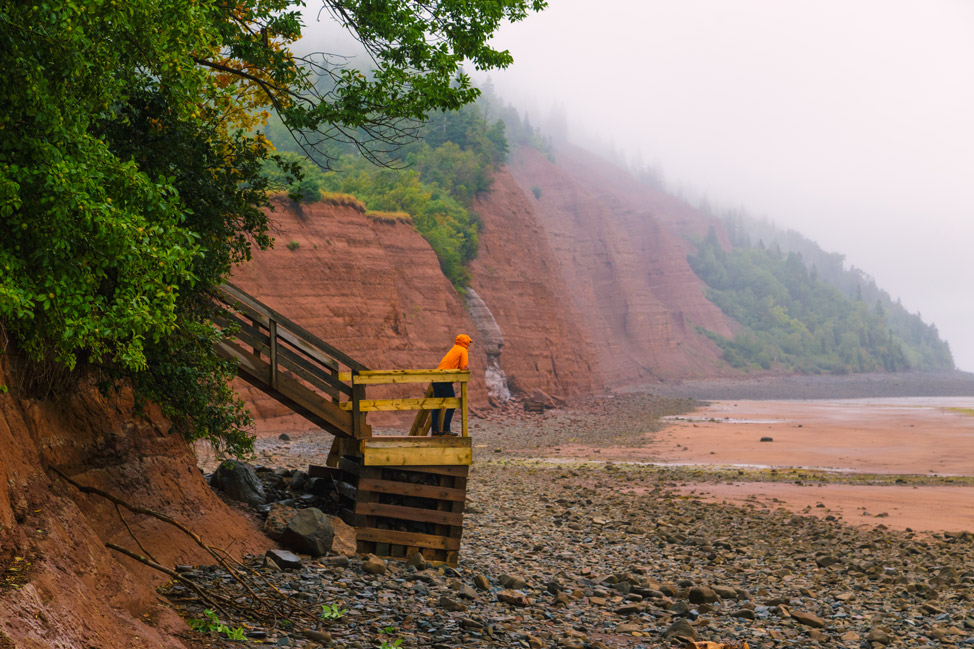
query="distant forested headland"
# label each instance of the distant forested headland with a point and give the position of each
(803, 311)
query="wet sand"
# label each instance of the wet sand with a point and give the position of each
(902, 436)
(921, 508)
(882, 436)
(899, 436)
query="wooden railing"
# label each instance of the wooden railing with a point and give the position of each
(315, 379)
(424, 405)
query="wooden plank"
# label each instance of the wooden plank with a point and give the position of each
(420, 420)
(316, 471)
(458, 470)
(349, 466)
(333, 453)
(408, 489)
(273, 355)
(389, 377)
(409, 513)
(372, 405)
(463, 410)
(358, 418)
(404, 441)
(322, 378)
(413, 539)
(419, 455)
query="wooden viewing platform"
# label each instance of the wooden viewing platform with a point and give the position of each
(399, 492)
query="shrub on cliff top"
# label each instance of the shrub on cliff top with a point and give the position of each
(343, 200)
(390, 217)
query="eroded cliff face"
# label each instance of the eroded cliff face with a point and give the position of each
(60, 587)
(372, 288)
(589, 281)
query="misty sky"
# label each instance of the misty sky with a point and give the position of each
(851, 121)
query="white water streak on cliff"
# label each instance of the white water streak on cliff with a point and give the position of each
(489, 333)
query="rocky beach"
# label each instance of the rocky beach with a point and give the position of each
(576, 551)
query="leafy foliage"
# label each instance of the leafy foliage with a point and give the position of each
(332, 612)
(132, 169)
(435, 183)
(210, 623)
(794, 321)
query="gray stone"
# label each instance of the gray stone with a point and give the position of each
(510, 581)
(877, 635)
(344, 541)
(284, 559)
(702, 595)
(277, 519)
(680, 629)
(310, 531)
(808, 619)
(374, 565)
(416, 559)
(238, 481)
(744, 614)
(449, 604)
(513, 597)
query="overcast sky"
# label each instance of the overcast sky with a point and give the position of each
(851, 121)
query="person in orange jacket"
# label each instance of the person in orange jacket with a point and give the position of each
(456, 359)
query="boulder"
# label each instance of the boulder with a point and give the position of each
(284, 559)
(310, 531)
(238, 481)
(344, 541)
(277, 519)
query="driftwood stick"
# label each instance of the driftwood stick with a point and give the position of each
(170, 573)
(118, 510)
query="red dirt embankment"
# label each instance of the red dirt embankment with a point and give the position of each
(60, 587)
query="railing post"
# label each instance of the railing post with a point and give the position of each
(257, 327)
(273, 330)
(358, 393)
(463, 407)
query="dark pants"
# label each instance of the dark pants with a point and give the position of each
(442, 391)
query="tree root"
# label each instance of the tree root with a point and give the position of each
(268, 603)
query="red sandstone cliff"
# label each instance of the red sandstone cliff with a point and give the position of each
(61, 587)
(372, 288)
(609, 256)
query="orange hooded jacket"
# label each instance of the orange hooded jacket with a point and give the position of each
(456, 358)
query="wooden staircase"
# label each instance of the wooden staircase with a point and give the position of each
(402, 493)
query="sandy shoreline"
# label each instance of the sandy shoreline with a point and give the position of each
(897, 436)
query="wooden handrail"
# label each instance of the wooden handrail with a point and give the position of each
(302, 356)
(300, 332)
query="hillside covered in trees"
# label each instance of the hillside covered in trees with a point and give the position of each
(809, 315)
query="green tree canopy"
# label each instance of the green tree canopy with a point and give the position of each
(130, 166)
